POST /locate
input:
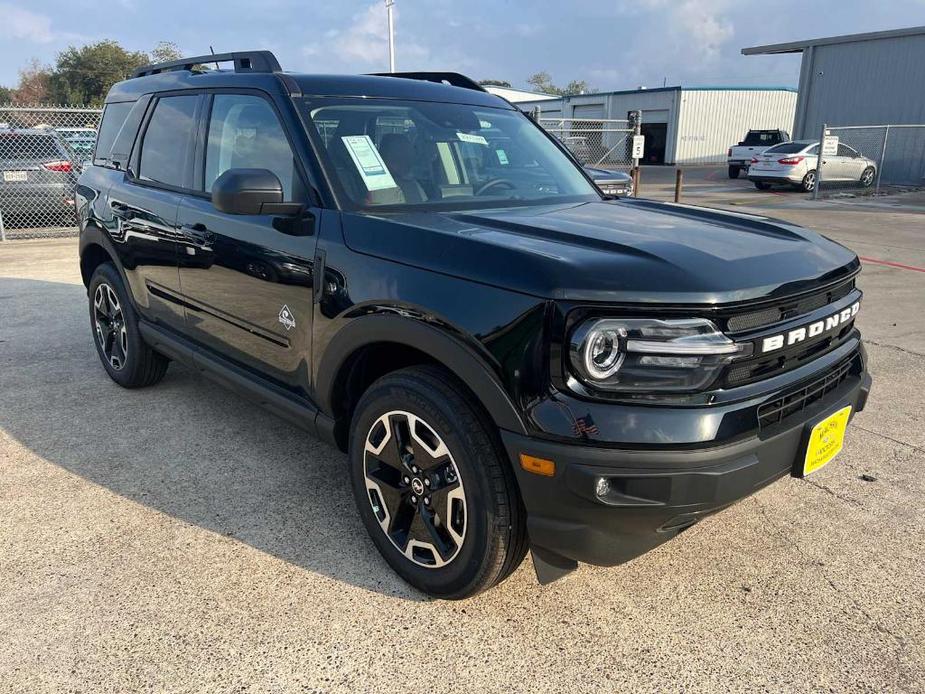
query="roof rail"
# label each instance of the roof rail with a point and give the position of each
(244, 61)
(454, 79)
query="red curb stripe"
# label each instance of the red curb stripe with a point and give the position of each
(892, 264)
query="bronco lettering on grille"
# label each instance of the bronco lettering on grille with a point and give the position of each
(792, 337)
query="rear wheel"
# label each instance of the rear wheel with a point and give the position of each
(432, 486)
(809, 182)
(127, 359)
(734, 171)
(867, 178)
(762, 185)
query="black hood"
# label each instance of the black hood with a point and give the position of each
(629, 251)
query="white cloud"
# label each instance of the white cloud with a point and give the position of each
(364, 42)
(699, 28)
(22, 24)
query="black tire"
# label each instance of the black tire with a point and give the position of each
(808, 182)
(734, 171)
(868, 176)
(762, 185)
(138, 365)
(494, 537)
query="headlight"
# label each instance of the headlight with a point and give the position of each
(640, 355)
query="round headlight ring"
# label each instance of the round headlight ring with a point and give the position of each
(603, 351)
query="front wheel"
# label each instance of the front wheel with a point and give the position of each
(432, 486)
(867, 178)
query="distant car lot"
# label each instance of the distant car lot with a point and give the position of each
(223, 552)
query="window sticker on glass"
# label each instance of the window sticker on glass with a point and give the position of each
(369, 162)
(502, 156)
(474, 139)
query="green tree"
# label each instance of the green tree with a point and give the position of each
(164, 51)
(494, 83)
(84, 75)
(33, 84)
(542, 82)
(6, 95)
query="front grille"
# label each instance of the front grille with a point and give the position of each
(796, 401)
(787, 309)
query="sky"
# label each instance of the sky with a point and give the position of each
(611, 44)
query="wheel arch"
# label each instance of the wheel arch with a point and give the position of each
(373, 346)
(95, 249)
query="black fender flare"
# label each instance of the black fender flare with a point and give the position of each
(440, 344)
(92, 235)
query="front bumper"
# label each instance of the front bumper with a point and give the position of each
(653, 493)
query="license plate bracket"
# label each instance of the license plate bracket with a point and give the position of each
(823, 439)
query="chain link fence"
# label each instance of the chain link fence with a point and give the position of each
(604, 143)
(42, 150)
(873, 159)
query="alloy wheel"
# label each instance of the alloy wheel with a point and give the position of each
(415, 489)
(867, 178)
(809, 181)
(110, 326)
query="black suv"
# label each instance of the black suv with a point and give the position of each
(411, 269)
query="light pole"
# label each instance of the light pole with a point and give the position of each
(388, 7)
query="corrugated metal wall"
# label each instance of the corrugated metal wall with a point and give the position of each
(712, 120)
(862, 83)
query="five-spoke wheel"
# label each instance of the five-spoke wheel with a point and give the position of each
(415, 489)
(432, 483)
(110, 325)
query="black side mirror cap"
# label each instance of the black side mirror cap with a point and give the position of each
(250, 192)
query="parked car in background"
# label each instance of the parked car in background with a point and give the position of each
(81, 140)
(609, 182)
(756, 141)
(794, 163)
(38, 177)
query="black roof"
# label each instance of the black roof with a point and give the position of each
(395, 87)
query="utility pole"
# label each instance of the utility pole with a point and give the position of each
(388, 7)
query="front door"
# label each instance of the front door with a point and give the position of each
(247, 279)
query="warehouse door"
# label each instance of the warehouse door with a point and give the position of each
(656, 135)
(586, 139)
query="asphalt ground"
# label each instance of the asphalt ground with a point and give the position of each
(182, 539)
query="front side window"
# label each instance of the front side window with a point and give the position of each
(244, 133)
(389, 153)
(165, 149)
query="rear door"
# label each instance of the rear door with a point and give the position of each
(144, 206)
(247, 279)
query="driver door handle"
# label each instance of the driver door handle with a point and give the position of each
(198, 233)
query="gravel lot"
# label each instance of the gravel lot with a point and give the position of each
(182, 539)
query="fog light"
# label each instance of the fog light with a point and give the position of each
(602, 488)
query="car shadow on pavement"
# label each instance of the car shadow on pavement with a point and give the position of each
(186, 447)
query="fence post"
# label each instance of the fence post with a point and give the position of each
(886, 135)
(819, 163)
(678, 183)
(637, 130)
(2, 228)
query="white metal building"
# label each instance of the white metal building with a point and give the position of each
(517, 95)
(683, 125)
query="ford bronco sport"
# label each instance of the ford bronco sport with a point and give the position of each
(412, 270)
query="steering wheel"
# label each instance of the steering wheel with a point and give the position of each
(488, 185)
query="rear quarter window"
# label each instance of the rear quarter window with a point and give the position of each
(113, 119)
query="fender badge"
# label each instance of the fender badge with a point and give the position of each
(286, 318)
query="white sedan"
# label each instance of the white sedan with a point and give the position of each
(794, 163)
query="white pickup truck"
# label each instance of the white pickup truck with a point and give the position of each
(756, 141)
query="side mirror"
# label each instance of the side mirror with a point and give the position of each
(250, 191)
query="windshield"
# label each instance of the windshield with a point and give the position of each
(390, 154)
